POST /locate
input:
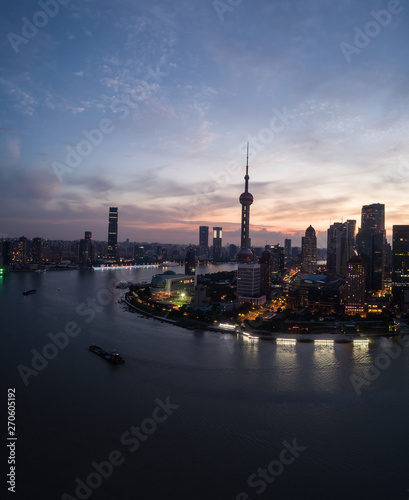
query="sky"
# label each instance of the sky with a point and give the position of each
(148, 106)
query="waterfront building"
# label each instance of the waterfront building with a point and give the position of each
(113, 233)
(217, 244)
(355, 286)
(37, 252)
(309, 251)
(171, 284)
(86, 250)
(400, 264)
(22, 250)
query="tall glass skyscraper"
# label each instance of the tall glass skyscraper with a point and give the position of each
(400, 265)
(370, 242)
(112, 233)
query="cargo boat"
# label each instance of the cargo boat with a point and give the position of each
(29, 292)
(113, 357)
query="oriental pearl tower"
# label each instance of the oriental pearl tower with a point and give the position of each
(246, 199)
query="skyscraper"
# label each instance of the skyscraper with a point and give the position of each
(309, 251)
(340, 247)
(373, 218)
(287, 247)
(265, 261)
(112, 233)
(37, 250)
(217, 244)
(400, 265)
(86, 250)
(190, 261)
(355, 286)
(203, 242)
(248, 272)
(370, 242)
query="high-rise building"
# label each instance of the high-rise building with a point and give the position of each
(400, 265)
(190, 261)
(278, 258)
(86, 250)
(373, 218)
(248, 272)
(113, 233)
(370, 242)
(340, 247)
(265, 261)
(37, 252)
(287, 247)
(217, 244)
(309, 251)
(355, 286)
(204, 242)
(22, 250)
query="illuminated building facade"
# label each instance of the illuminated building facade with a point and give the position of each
(340, 247)
(370, 242)
(113, 233)
(355, 286)
(169, 284)
(217, 244)
(309, 251)
(400, 265)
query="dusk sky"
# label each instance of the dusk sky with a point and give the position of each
(147, 106)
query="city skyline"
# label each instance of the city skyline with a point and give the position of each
(149, 108)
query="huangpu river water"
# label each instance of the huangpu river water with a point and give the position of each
(191, 415)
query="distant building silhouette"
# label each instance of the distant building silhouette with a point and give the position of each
(204, 242)
(309, 251)
(113, 233)
(37, 252)
(86, 250)
(287, 247)
(190, 261)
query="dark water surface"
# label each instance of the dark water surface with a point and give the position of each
(233, 404)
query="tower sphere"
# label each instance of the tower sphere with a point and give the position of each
(246, 199)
